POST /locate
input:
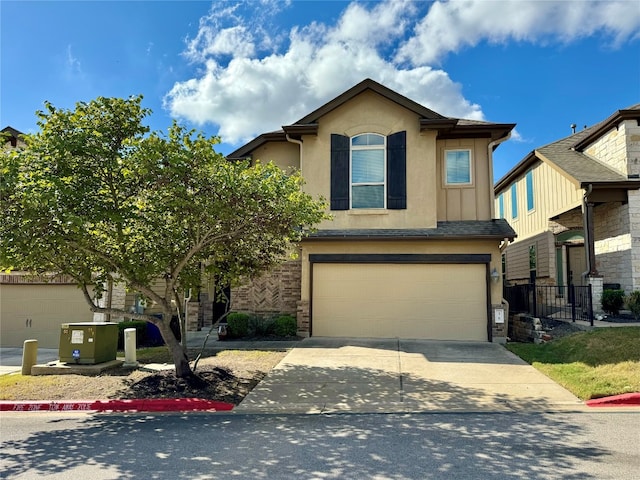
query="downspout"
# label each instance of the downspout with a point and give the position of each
(492, 201)
(587, 222)
(308, 294)
(490, 148)
(299, 142)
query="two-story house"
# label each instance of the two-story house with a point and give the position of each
(412, 249)
(575, 206)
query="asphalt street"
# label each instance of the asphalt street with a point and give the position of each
(581, 446)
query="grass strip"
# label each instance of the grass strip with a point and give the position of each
(592, 364)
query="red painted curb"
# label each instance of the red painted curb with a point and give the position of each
(136, 405)
(626, 399)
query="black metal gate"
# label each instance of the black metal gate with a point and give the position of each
(566, 302)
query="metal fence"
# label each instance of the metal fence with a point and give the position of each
(567, 302)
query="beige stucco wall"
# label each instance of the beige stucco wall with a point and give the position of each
(428, 200)
(401, 247)
(284, 154)
(371, 113)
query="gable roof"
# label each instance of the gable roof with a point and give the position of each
(446, 127)
(12, 131)
(567, 155)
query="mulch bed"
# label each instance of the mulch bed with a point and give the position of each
(211, 383)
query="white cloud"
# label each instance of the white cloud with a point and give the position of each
(451, 26)
(254, 77)
(73, 67)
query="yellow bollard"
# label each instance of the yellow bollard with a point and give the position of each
(29, 356)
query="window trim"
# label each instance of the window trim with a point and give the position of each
(514, 201)
(383, 148)
(444, 170)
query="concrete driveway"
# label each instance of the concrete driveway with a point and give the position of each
(323, 375)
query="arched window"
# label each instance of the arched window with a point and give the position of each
(368, 171)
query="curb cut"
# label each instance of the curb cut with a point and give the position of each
(135, 405)
(624, 400)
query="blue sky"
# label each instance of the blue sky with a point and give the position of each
(238, 69)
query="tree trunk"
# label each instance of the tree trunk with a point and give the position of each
(178, 352)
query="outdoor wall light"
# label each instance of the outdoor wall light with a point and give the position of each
(495, 276)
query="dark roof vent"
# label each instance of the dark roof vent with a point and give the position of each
(573, 128)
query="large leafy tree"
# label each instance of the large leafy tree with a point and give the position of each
(96, 196)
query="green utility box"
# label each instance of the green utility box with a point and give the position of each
(88, 343)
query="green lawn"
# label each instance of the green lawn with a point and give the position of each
(592, 364)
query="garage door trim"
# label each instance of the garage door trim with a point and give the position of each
(399, 258)
(391, 258)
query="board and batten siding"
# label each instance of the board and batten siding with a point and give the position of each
(465, 202)
(553, 194)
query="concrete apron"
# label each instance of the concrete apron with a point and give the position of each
(326, 375)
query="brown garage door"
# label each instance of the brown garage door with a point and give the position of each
(424, 301)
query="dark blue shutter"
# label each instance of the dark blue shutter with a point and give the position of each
(397, 171)
(339, 172)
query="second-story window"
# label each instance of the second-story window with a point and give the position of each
(501, 205)
(368, 171)
(514, 201)
(457, 167)
(529, 182)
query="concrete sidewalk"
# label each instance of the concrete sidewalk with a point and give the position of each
(324, 375)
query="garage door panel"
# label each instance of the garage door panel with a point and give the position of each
(46, 306)
(400, 300)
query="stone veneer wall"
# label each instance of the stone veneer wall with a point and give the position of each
(571, 220)
(613, 245)
(634, 227)
(273, 293)
(619, 148)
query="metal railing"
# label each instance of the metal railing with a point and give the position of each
(567, 302)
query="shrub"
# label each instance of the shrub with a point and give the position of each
(260, 327)
(237, 324)
(633, 303)
(612, 301)
(141, 332)
(285, 326)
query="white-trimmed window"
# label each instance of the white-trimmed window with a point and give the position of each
(457, 167)
(368, 171)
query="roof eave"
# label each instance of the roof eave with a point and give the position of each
(623, 184)
(301, 129)
(494, 131)
(516, 171)
(246, 150)
(607, 125)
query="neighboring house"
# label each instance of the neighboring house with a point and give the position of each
(34, 307)
(575, 206)
(412, 245)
